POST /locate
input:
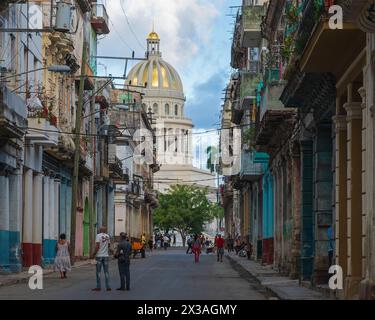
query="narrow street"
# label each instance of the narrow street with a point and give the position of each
(165, 275)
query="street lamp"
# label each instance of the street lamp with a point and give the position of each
(53, 68)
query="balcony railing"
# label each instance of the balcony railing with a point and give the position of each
(272, 75)
(312, 12)
(270, 99)
(253, 165)
(12, 114)
(41, 132)
(99, 19)
(248, 87)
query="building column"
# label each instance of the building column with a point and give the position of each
(296, 210)
(307, 221)
(27, 229)
(55, 236)
(341, 243)
(15, 220)
(367, 285)
(37, 219)
(323, 180)
(354, 200)
(4, 224)
(62, 201)
(46, 215)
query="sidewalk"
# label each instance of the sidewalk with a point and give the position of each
(14, 278)
(282, 287)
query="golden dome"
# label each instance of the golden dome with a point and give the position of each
(156, 73)
(153, 36)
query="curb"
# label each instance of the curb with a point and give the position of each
(274, 292)
(270, 291)
(26, 277)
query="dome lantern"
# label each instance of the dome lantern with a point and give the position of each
(154, 73)
(153, 44)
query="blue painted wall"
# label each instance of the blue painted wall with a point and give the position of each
(15, 263)
(4, 251)
(49, 251)
(268, 206)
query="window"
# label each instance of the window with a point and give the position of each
(176, 110)
(167, 109)
(155, 108)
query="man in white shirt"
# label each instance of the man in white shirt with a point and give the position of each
(102, 248)
(166, 242)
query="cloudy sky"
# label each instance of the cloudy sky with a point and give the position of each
(195, 39)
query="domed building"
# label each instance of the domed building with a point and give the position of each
(164, 98)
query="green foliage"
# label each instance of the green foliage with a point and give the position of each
(184, 208)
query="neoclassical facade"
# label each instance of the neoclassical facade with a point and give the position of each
(164, 97)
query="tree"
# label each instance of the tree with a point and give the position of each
(184, 208)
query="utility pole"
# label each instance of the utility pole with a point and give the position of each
(77, 152)
(92, 177)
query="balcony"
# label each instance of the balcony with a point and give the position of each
(115, 170)
(99, 19)
(248, 87)
(89, 79)
(103, 95)
(251, 25)
(237, 52)
(41, 132)
(85, 5)
(12, 114)
(322, 49)
(237, 113)
(253, 165)
(275, 120)
(270, 99)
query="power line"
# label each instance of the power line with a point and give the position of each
(127, 128)
(120, 36)
(130, 27)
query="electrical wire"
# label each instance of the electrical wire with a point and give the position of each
(130, 27)
(127, 128)
(120, 35)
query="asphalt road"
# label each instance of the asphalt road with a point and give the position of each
(163, 275)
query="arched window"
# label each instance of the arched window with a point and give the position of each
(155, 108)
(167, 109)
(176, 110)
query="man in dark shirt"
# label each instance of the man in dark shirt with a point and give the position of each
(123, 252)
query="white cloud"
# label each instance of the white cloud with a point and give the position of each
(183, 26)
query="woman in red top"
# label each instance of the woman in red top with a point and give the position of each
(219, 243)
(196, 248)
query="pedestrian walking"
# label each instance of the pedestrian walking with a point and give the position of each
(150, 244)
(101, 254)
(166, 241)
(174, 240)
(62, 259)
(197, 248)
(123, 252)
(219, 244)
(190, 245)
